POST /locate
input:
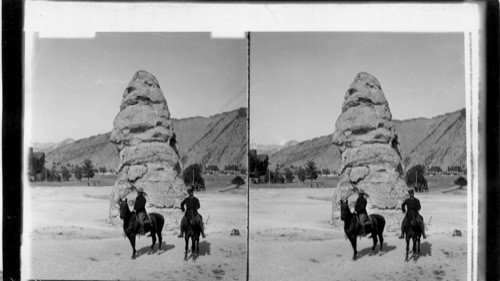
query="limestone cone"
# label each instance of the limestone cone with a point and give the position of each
(143, 133)
(368, 144)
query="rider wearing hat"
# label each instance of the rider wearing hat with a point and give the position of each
(360, 209)
(140, 208)
(192, 203)
(413, 204)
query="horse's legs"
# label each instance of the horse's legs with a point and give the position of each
(193, 244)
(186, 238)
(415, 243)
(153, 236)
(353, 243)
(414, 249)
(381, 238)
(407, 246)
(375, 240)
(159, 239)
(131, 238)
(418, 240)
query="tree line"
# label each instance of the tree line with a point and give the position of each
(60, 172)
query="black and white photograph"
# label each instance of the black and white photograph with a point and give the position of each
(214, 141)
(137, 157)
(364, 158)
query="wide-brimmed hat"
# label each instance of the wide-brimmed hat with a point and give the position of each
(141, 190)
(361, 191)
(190, 190)
(411, 190)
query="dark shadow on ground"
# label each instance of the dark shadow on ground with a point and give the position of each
(164, 247)
(204, 248)
(425, 249)
(203, 251)
(368, 250)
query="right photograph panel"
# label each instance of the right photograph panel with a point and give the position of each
(358, 156)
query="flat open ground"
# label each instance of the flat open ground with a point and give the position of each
(70, 239)
(291, 238)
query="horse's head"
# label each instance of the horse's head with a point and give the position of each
(123, 207)
(344, 209)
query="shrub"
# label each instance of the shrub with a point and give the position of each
(238, 181)
(461, 181)
(289, 175)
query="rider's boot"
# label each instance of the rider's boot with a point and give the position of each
(202, 230)
(141, 229)
(423, 231)
(363, 232)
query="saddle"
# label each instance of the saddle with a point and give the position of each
(368, 220)
(147, 219)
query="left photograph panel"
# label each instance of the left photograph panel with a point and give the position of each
(136, 148)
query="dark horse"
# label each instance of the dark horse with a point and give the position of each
(192, 230)
(131, 225)
(412, 230)
(352, 228)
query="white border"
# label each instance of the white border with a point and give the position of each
(72, 19)
(63, 19)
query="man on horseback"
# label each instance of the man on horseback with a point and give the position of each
(192, 204)
(360, 210)
(140, 208)
(413, 204)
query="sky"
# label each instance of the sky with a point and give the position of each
(299, 80)
(77, 84)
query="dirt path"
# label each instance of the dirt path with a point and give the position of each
(71, 240)
(291, 239)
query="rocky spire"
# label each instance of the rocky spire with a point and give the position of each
(368, 144)
(145, 138)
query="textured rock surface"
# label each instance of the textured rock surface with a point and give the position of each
(369, 150)
(142, 131)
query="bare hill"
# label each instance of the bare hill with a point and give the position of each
(216, 140)
(438, 141)
(96, 148)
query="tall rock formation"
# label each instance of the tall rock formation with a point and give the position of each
(145, 138)
(369, 148)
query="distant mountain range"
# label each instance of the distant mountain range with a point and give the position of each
(47, 146)
(438, 141)
(222, 140)
(216, 140)
(271, 148)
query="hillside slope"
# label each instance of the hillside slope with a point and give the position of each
(96, 148)
(217, 140)
(438, 141)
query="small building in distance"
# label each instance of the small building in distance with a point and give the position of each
(36, 162)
